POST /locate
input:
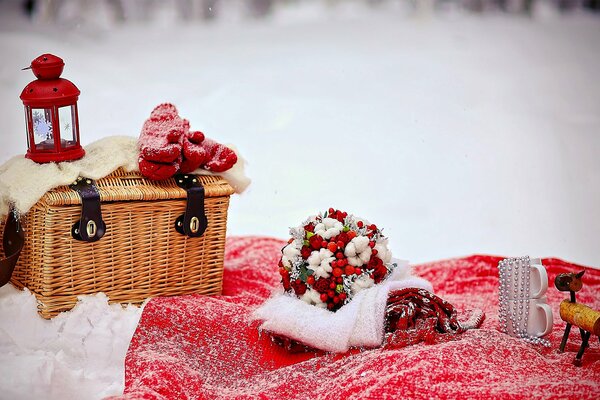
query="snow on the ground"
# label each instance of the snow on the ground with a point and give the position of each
(457, 134)
(76, 355)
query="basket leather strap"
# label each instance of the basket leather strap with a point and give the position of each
(90, 227)
(13, 241)
(193, 222)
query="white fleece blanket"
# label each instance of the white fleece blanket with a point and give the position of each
(23, 182)
(360, 323)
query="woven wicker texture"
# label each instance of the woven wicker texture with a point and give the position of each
(141, 254)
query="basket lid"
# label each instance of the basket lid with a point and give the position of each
(132, 186)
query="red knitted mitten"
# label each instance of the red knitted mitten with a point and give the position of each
(221, 157)
(159, 171)
(167, 146)
(194, 153)
(201, 152)
(160, 150)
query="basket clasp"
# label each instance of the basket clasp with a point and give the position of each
(90, 226)
(193, 222)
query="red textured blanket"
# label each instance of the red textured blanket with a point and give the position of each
(195, 347)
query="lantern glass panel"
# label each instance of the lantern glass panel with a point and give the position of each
(68, 135)
(27, 111)
(43, 134)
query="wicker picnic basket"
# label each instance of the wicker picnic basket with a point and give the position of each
(141, 254)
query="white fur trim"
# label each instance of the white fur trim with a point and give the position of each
(360, 323)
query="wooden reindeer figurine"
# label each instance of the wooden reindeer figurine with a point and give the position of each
(573, 313)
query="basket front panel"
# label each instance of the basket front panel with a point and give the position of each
(140, 256)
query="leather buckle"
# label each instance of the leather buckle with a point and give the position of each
(193, 222)
(90, 227)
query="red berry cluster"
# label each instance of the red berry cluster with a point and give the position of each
(332, 290)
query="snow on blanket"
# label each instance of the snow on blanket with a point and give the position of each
(196, 347)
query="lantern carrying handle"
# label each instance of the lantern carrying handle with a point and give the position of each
(13, 241)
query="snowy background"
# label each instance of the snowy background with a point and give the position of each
(457, 131)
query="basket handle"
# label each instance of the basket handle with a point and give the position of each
(13, 241)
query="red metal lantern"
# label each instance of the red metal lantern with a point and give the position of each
(51, 113)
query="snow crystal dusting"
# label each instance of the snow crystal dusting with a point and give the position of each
(455, 113)
(209, 347)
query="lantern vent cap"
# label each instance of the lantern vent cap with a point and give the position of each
(47, 66)
(49, 89)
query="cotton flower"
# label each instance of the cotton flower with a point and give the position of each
(290, 252)
(320, 262)
(360, 283)
(310, 220)
(328, 228)
(383, 252)
(358, 251)
(313, 297)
